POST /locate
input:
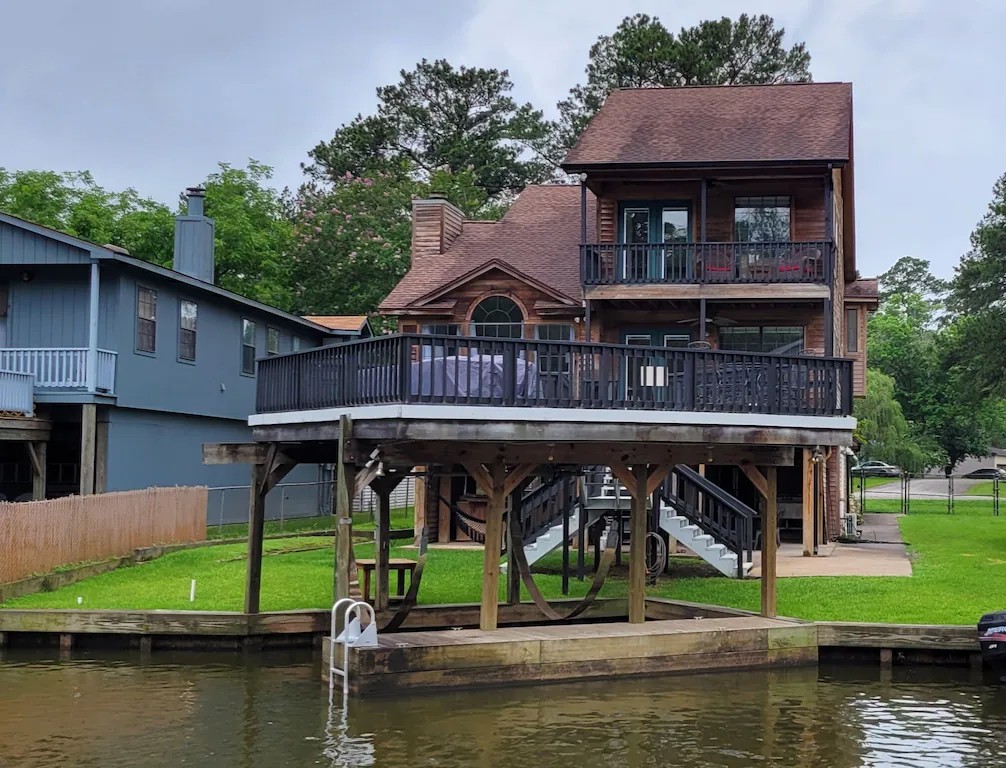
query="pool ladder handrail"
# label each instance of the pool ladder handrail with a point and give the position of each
(353, 635)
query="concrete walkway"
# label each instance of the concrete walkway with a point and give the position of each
(880, 552)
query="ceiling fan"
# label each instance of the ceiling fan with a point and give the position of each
(718, 320)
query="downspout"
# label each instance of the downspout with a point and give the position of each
(92, 330)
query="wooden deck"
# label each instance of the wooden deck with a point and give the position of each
(515, 655)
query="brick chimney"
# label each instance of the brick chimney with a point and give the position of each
(194, 238)
(436, 223)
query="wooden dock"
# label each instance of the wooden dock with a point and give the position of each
(515, 655)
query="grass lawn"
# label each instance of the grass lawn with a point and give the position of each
(872, 482)
(986, 488)
(959, 569)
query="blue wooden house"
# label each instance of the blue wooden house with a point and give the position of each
(114, 371)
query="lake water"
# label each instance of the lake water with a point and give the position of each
(199, 710)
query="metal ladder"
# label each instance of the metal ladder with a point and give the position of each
(353, 635)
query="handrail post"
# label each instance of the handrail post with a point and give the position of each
(92, 330)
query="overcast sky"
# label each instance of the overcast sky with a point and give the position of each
(152, 94)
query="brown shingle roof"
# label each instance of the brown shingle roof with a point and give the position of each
(539, 237)
(864, 289)
(719, 124)
(353, 323)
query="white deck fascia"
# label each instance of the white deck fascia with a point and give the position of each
(490, 413)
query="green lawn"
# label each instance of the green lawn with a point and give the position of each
(872, 482)
(959, 567)
(986, 488)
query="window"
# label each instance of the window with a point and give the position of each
(498, 317)
(146, 320)
(247, 347)
(438, 348)
(187, 312)
(646, 225)
(852, 330)
(271, 341)
(295, 343)
(762, 219)
(551, 360)
(782, 340)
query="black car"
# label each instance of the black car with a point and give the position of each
(875, 469)
(987, 473)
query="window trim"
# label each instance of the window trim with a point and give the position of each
(655, 211)
(471, 322)
(254, 346)
(790, 208)
(853, 348)
(195, 332)
(269, 331)
(761, 338)
(136, 328)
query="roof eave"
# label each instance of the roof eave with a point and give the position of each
(698, 164)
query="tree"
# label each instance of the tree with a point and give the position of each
(74, 203)
(442, 118)
(882, 430)
(253, 233)
(643, 53)
(978, 300)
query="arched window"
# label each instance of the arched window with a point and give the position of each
(498, 317)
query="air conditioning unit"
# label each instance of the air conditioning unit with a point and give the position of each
(851, 531)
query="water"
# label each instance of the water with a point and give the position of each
(176, 710)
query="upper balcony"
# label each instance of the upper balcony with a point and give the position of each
(30, 375)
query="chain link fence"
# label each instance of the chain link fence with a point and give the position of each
(288, 502)
(928, 493)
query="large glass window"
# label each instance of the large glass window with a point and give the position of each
(553, 360)
(498, 317)
(762, 219)
(852, 330)
(146, 319)
(271, 341)
(247, 346)
(187, 312)
(777, 339)
(439, 348)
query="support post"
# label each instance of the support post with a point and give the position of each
(807, 471)
(565, 539)
(769, 549)
(101, 456)
(382, 545)
(88, 429)
(37, 459)
(92, 330)
(256, 529)
(488, 614)
(514, 540)
(637, 549)
(344, 483)
(702, 320)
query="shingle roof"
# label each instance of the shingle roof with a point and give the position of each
(719, 124)
(864, 289)
(539, 236)
(339, 322)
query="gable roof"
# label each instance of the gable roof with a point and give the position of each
(340, 323)
(864, 289)
(729, 124)
(539, 236)
(100, 253)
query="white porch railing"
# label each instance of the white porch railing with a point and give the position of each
(60, 367)
(16, 393)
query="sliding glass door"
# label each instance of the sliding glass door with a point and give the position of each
(650, 232)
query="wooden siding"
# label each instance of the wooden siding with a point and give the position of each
(435, 225)
(859, 357)
(807, 204)
(21, 247)
(493, 283)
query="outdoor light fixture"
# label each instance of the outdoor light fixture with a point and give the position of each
(583, 178)
(380, 469)
(817, 455)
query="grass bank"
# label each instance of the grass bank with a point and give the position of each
(959, 566)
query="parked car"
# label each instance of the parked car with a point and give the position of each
(875, 469)
(987, 473)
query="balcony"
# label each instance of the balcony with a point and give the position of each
(25, 373)
(522, 373)
(705, 263)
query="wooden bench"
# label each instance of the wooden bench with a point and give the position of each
(398, 565)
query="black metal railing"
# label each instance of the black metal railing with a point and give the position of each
(545, 505)
(456, 370)
(736, 262)
(727, 519)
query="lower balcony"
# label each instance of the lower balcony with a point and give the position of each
(453, 371)
(28, 372)
(704, 263)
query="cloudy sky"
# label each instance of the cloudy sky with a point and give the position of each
(152, 94)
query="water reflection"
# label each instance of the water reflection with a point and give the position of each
(274, 711)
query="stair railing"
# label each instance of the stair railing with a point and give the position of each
(704, 504)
